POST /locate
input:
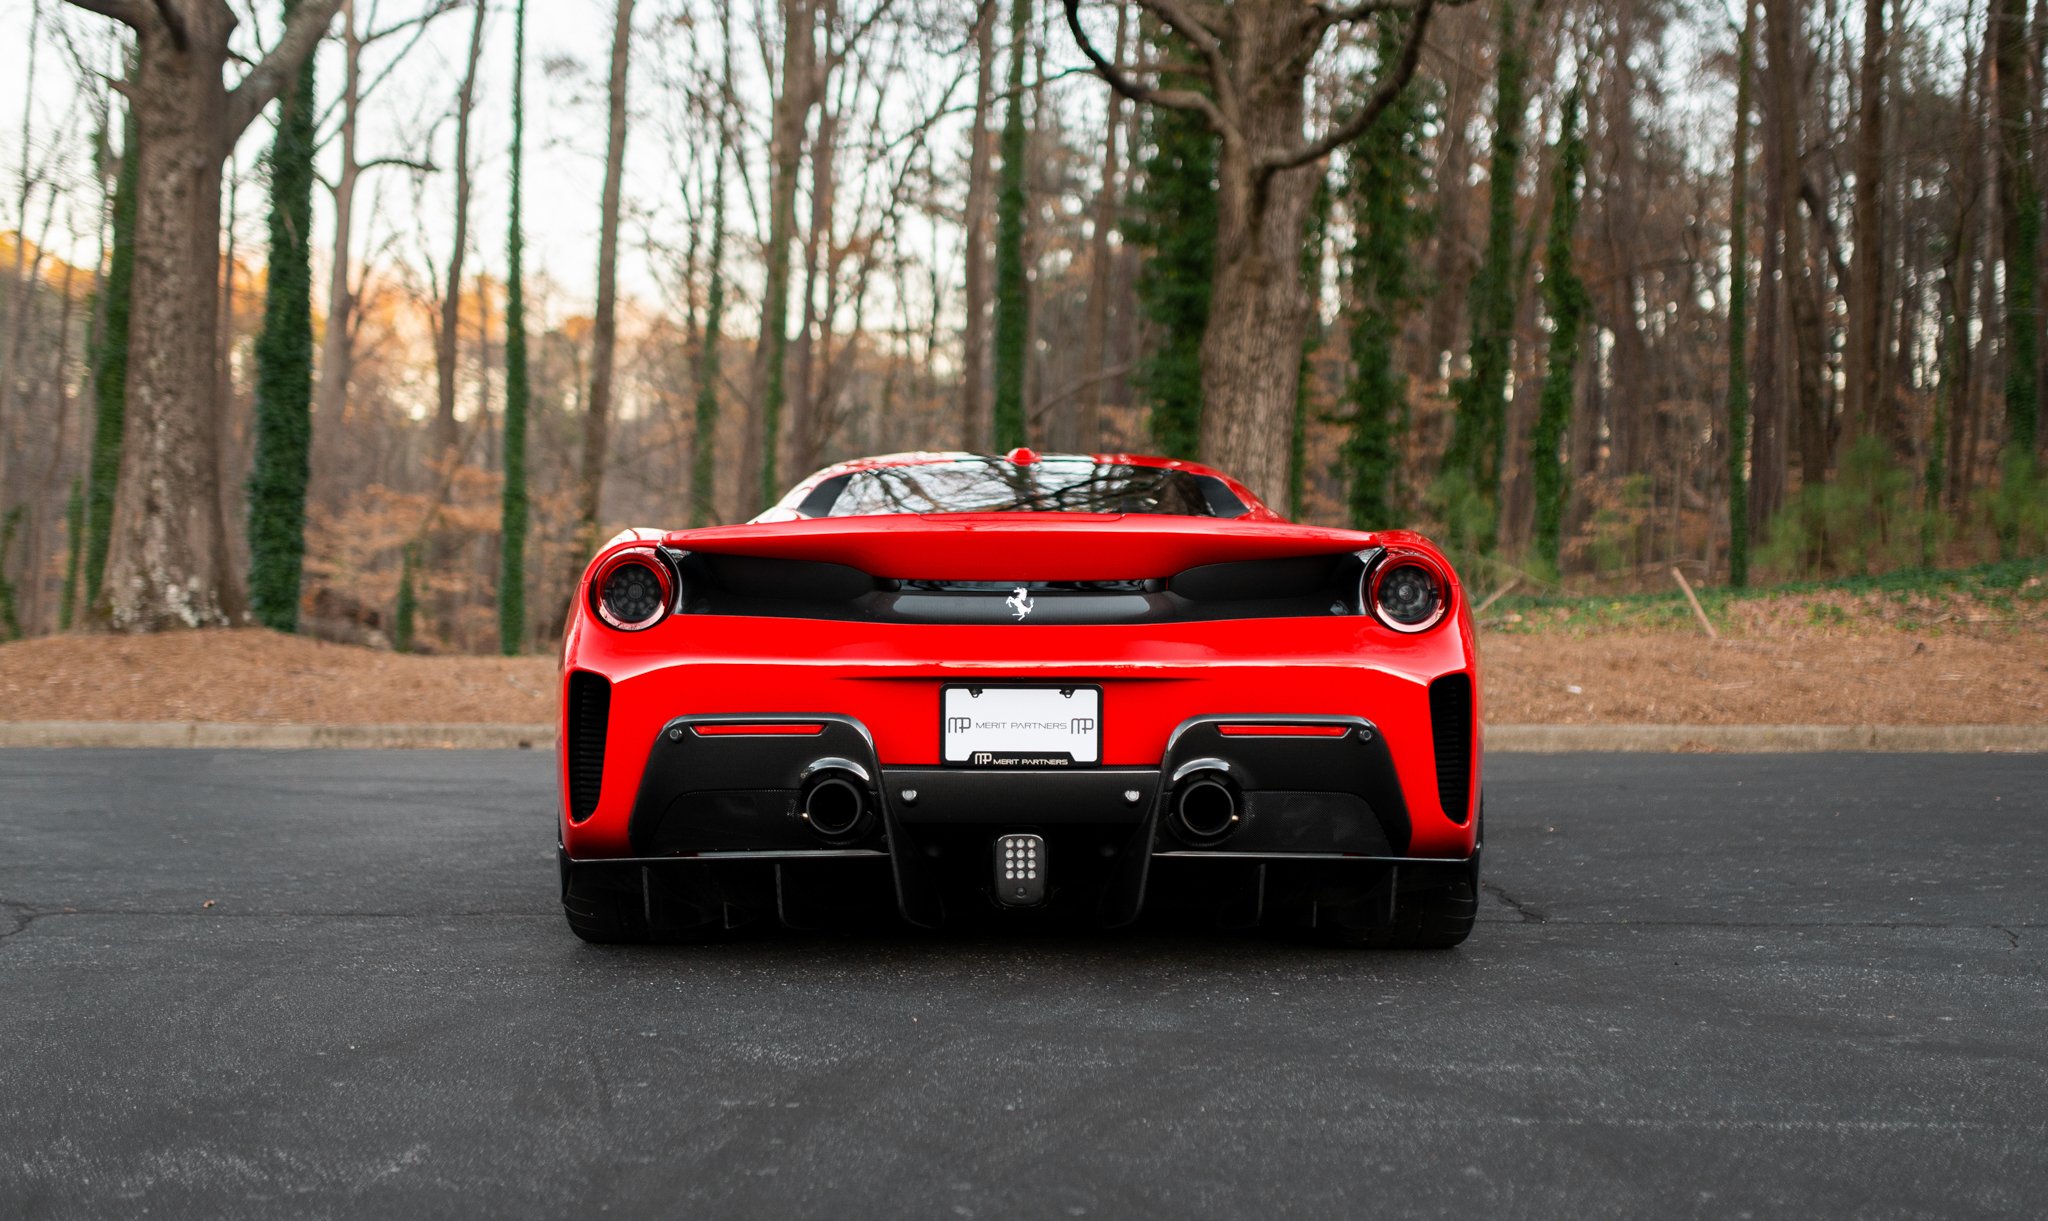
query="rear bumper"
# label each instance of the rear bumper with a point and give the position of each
(729, 793)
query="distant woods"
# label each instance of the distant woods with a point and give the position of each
(1585, 288)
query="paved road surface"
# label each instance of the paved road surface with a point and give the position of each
(336, 984)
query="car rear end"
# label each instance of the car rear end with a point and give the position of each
(1021, 717)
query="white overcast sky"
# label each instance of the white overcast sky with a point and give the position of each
(568, 44)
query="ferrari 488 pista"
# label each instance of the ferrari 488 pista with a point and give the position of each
(1018, 688)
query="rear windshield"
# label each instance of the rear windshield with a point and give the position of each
(996, 485)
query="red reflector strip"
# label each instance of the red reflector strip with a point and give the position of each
(1283, 731)
(789, 728)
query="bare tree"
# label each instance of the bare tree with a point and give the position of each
(975, 273)
(338, 337)
(1086, 426)
(448, 338)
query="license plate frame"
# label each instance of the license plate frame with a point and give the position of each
(1017, 729)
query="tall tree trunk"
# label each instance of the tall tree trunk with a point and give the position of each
(337, 338)
(110, 367)
(448, 340)
(604, 331)
(1251, 349)
(1771, 413)
(2020, 209)
(1566, 301)
(975, 275)
(284, 368)
(1863, 359)
(1960, 383)
(1008, 427)
(18, 295)
(1085, 431)
(786, 149)
(704, 437)
(1736, 423)
(1387, 179)
(169, 564)
(513, 509)
(1479, 441)
(809, 423)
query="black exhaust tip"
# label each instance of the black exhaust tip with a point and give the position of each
(836, 806)
(1205, 809)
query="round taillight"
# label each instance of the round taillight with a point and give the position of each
(1409, 593)
(632, 591)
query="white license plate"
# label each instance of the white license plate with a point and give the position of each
(1023, 726)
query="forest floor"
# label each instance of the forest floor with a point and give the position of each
(1934, 649)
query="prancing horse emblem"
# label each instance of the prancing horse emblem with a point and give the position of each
(1019, 603)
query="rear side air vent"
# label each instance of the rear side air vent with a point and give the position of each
(590, 706)
(1450, 722)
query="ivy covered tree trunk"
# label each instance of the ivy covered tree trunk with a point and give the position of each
(1172, 217)
(110, 372)
(512, 509)
(1388, 176)
(74, 533)
(1478, 440)
(284, 368)
(1737, 423)
(1566, 301)
(405, 616)
(1013, 289)
(2020, 209)
(10, 617)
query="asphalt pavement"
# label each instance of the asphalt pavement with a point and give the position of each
(337, 984)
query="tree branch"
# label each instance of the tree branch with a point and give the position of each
(1340, 134)
(1171, 99)
(174, 21)
(1205, 40)
(127, 12)
(267, 79)
(1343, 13)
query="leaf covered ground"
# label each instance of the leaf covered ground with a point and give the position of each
(1912, 649)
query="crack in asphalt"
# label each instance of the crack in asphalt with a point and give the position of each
(21, 914)
(1528, 914)
(2010, 935)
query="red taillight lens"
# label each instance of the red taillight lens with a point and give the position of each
(632, 590)
(1283, 731)
(1408, 591)
(802, 729)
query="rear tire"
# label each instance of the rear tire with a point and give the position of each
(1437, 917)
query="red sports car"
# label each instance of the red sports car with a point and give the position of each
(1028, 687)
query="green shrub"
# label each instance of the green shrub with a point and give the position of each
(1865, 520)
(2017, 509)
